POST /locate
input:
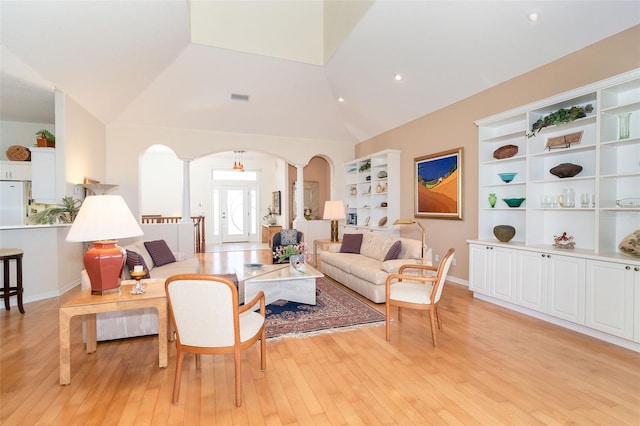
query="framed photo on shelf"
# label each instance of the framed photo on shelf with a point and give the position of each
(276, 206)
(438, 185)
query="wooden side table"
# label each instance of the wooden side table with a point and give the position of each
(268, 231)
(323, 244)
(90, 305)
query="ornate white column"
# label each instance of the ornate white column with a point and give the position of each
(186, 191)
(299, 191)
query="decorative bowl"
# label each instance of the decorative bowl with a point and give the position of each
(506, 151)
(507, 177)
(566, 170)
(504, 233)
(513, 202)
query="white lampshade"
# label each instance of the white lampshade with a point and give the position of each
(333, 210)
(104, 217)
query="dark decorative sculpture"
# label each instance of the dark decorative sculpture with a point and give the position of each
(566, 170)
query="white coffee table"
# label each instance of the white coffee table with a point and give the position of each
(278, 282)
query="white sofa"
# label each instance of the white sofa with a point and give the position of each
(144, 321)
(367, 272)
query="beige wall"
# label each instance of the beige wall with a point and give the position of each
(453, 127)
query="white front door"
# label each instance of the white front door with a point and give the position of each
(238, 213)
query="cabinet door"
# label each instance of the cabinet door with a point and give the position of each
(502, 274)
(479, 268)
(610, 298)
(531, 282)
(566, 287)
(15, 170)
(43, 185)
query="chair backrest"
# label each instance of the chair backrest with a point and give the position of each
(204, 309)
(443, 270)
(277, 238)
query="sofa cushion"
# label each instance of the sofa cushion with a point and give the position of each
(351, 243)
(139, 248)
(411, 249)
(394, 251)
(188, 266)
(134, 259)
(376, 246)
(369, 270)
(160, 252)
(288, 237)
(340, 260)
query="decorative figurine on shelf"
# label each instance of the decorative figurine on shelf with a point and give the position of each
(137, 274)
(563, 241)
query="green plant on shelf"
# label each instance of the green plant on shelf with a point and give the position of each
(561, 116)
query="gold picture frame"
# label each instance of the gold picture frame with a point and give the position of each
(438, 185)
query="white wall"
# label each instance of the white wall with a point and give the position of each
(19, 133)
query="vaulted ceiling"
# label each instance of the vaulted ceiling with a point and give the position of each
(152, 63)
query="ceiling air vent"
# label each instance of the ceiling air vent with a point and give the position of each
(239, 97)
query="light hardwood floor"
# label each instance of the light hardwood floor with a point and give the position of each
(492, 367)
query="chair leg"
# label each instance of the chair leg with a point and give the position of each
(178, 377)
(438, 317)
(432, 320)
(197, 361)
(399, 314)
(236, 358)
(263, 349)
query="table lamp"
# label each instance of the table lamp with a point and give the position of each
(102, 219)
(424, 234)
(333, 210)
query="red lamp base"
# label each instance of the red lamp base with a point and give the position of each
(103, 263)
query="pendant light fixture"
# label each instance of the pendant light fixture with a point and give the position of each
(237, 164)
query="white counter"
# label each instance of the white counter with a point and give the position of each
(51, 265)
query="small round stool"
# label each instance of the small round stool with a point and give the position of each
(6, 256)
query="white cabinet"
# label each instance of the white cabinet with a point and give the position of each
(43, 185)
(566, 287)
(611, 288)
(372, 193)
(551, 283)
(493, 271)
(594, 286)
(15, 170)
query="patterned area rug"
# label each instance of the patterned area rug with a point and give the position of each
(335, 310)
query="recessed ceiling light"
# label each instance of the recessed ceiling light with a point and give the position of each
(340, 99)
(397, 77)
(534, 16)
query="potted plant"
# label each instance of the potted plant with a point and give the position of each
(45, 139)
(561, 116)
(62, 213)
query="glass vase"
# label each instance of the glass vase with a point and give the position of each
(623, 123)
(492, 199)
(296, 263)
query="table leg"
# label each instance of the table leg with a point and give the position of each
(65, 348)
(92, 334)
(163, 357)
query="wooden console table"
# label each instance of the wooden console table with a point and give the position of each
(90, 305)
(268, 231)
(323, 244)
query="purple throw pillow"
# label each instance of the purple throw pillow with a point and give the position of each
(351, 243)
(160, 252)
(134, 259)
(394, 251)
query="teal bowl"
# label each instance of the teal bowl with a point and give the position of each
(507, 177)
(513, 202)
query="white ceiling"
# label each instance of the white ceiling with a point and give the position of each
(133, 62)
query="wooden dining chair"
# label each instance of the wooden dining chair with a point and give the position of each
(207, 320)
(417, 291)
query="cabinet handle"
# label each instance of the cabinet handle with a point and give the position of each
(636, 269)
(627, 267)
(544, 255)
